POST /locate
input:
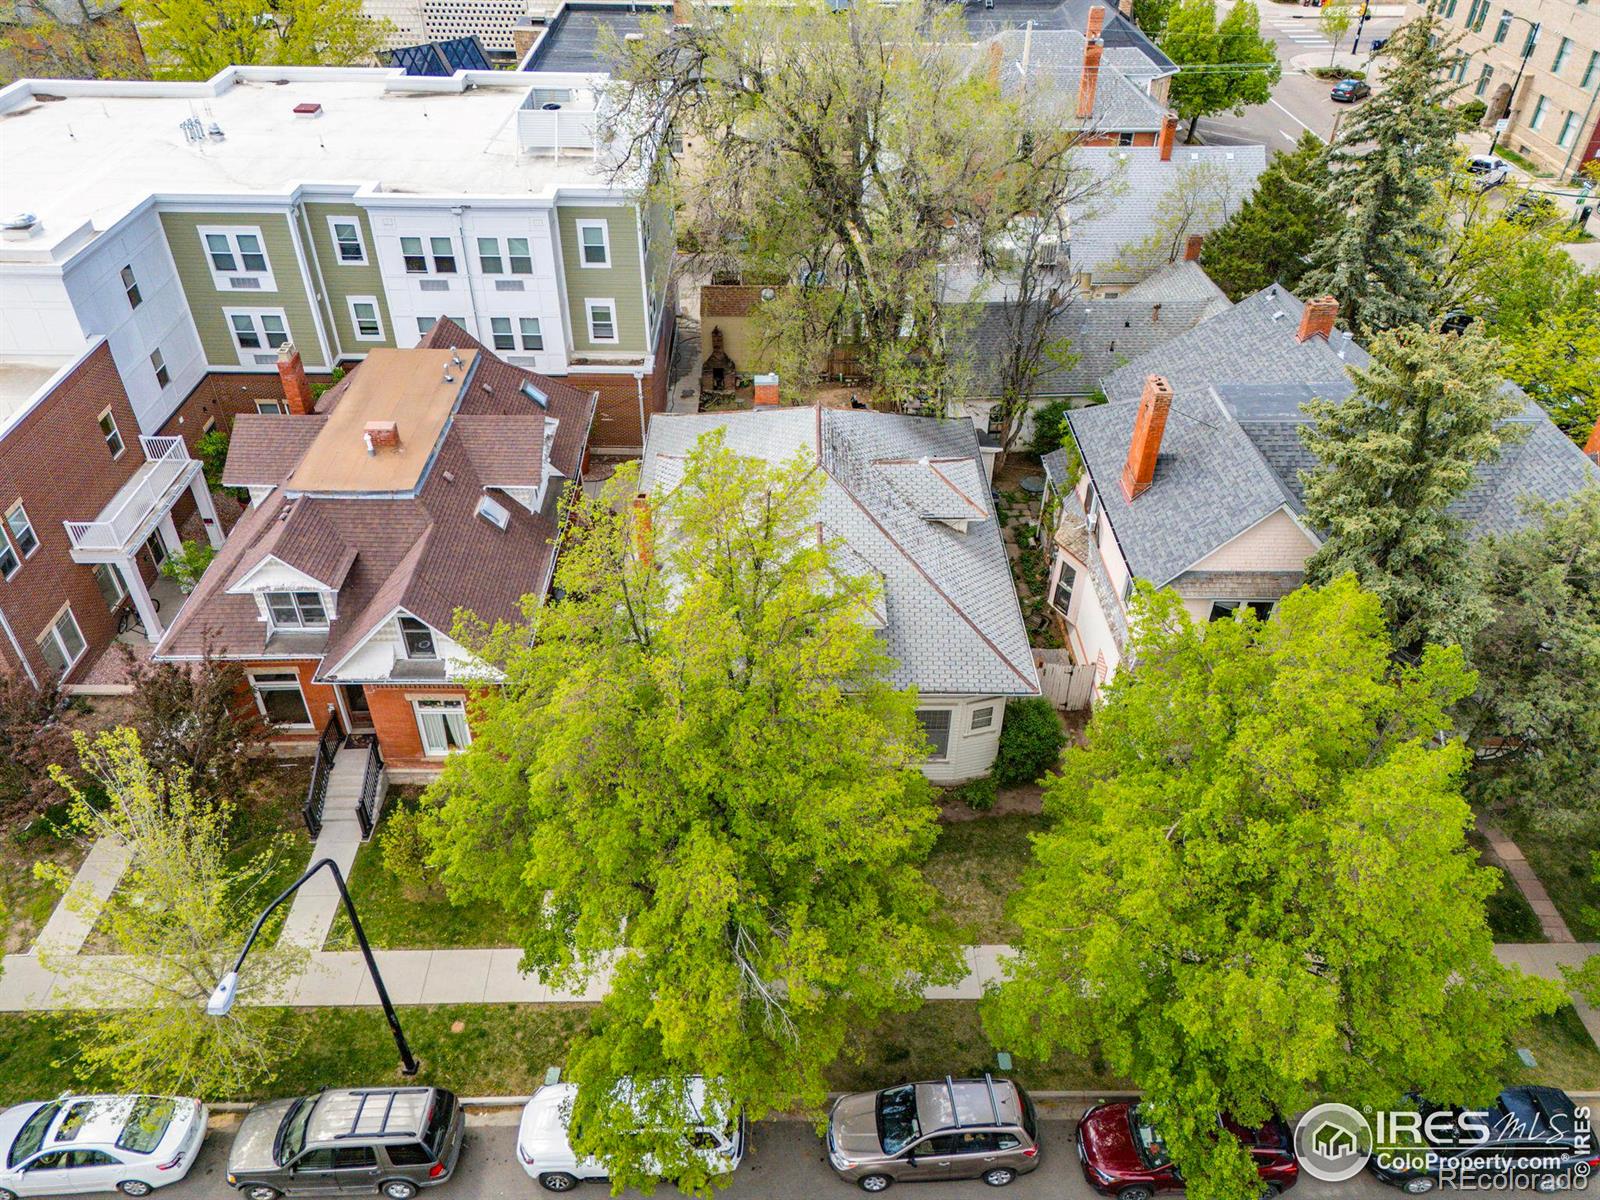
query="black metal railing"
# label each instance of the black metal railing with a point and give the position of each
(321, 768)
(371, 780)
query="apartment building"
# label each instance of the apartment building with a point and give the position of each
(1553, 110)
(198, 227)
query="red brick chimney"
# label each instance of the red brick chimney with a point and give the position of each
(681, 12)
(643, 530)
(1092, 49)
(1317, 319)
(1592, 446)
(1095, 23)
(1148, 427)
(381, 435)
(296, 391)
(997, 59)
(1125, 7)
(1192, 246)
(766, 391)
(1169, 130)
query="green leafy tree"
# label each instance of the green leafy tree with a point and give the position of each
(1202, 196)
(177, 920)
(1265, 240)
(698, 777)
(1030, 742)
(1262, 848)
(1383, 167)
(1534, 722)
(1585, 979)
(76, 41)
(188, 562)
(1151, 15)
(1334, 20)
(1226, 67)
(194, 39)
(1426, 414)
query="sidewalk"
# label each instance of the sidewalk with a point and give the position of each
(1506, 853)
(70, 924)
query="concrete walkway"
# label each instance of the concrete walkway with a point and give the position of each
(73, 919)
(315, 905)
(1507, 854)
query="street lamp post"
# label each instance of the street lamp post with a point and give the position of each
(220, 1003)
(1527, 52)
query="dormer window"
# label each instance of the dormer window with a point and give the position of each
(297, 610)
(417, 638)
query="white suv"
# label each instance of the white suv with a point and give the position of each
(547, 1155)
(1488, 170)
(78, 1144)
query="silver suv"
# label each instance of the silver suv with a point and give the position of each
(380, 1141)
(953, 1129)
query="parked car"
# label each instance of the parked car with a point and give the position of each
(1124, 1155)
(952, 1129)
(1348, 91)
(1378, 44)
(1531, 208)
(718, 1141)
(1536, 1132)
(1488, 170)
(388, 1141)
(81, 1144)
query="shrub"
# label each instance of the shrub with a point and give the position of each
(1472, 112)
(185, 566)
(1030, 742)
(1049, 427)
(977, 794)
(33, 738)
(212, 451)
(404, 848)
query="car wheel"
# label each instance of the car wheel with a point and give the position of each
(1135, 1193)
(6, 1194)
(874, 1183)
(999, 1176)
(557, 1181)
(1420, 1186)
(134, 1187)
(398, 1189)
(260, 1191)
(1270, 1190)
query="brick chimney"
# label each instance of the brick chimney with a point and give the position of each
(1317, 319)
(296, 391)
(1169, 130)
(766, 391)
(1148, 427)
(381, 435)
(682, 14)
(1125, 7)
(1092, 49)
(1192, 245)
(1592, 446)
(1095, 23)
(643, 530)
(997, 60)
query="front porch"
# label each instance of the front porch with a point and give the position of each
(139, 519)
(108, 674)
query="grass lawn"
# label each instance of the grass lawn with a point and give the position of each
(1565, 865)
(1566, 1054)
(411, 914)
(25, 902)
(975, 866)
(1510, 917)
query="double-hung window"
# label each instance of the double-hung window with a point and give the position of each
(935, 724)
(514, 256)
(602, 320)
(297, 610)
(1483, 80)
(347, 241)
(1061, 598)
(257, 329)
(1504, 28)
(112, 435)
(130, 286)
(1540, 107)
(238, 259)
(159, 366)
(594, 244)
(500, 328)
(443, 725)
(62, 643)
(10, 564)
(444, 255)
(1569, 126)
(21, 529)
(532, 336)
(1591, 70)
(411, 251)
(279, 698)
(364, 316)
(441, 249)
(1564, 49)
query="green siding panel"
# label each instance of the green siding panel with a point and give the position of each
(206, 301)
(621, 281)
(342, 280)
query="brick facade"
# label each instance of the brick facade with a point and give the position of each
(395, 722)
(56, 461)
(221, 396)
(319, 698)
(616, 421)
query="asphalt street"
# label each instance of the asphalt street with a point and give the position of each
(785, 1162)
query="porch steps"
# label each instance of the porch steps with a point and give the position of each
(315, 905)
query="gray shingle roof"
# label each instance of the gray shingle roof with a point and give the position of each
(1231, 453)
(1055, 468)
(1182, 280)
(1119, 33)
(1122, 102)
(1136, 181)
(952, 622)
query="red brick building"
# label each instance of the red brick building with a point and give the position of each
(427, 482)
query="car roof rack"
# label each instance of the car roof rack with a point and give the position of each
(383, 1130)
(994, 1104)
(955, 1109)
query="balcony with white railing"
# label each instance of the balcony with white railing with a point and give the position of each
(148, 495)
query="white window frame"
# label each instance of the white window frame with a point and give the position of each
(523, 336)
(52, 634)
(1569, 126)
(439, 704)
(158, 364)
(279, 685)
(247, 353)
(27, 521)
(10, 562)
(605, 243)
(269, 408)
(355, 321)
(294, 594)
(405, 646)
(950, 716)
(989, 725)
(1540, 107)
(509, 333)
(130, 286)
(424, 330)
(267, 280)
(115, 432)
(338, 248)
(592, 303)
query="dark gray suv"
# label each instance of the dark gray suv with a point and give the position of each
(380, 1141)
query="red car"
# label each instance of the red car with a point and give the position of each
(1123, 1154)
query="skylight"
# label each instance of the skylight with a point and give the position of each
(494, 512)
(534, 394)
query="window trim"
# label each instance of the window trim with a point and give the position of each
(116, 432)
(1069, 576)
(590, 303)
(405, 646)
(20, 507)
(438, 703)
(434, 256)
(279, 685)
(422, 254)
(538, 333)
(972, 719)
(1569, 126)
(268, 281)
(268, 408)
(294, 595)
(355, 320)
(338, 248)
(1563, 48)
(605, 243)
(1541, 106)
(495, 335)
(158, 364)
(130, 286)
(255, 315)
(937, 756)
(8, 552)
(64, 613)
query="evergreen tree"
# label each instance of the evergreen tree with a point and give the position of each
(1226, 67)
(1426, 414)
(1265, 240)
(1379, 260)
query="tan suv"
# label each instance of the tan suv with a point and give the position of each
(954, 1129)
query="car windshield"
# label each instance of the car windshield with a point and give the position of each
(148, 1122)
(31, 1136)
(292, 1133)
(1152, 1148)
(897, 1118)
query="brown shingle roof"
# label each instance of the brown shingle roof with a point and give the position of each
(303, 537)
(730, 299)
(508, 451)
(263, 448)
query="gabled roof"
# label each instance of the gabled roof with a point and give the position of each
(264, 447)
(939, 489)
(952, 622)
(506, 450)
(1119, 33)
(1047, 67)
(306, 541)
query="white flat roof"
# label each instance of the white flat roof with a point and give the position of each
(20, 383)
(80, 151)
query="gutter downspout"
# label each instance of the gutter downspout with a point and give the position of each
(466, 274)
(22, 658)
(638, 386)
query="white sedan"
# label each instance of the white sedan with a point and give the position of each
(79, 1144)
